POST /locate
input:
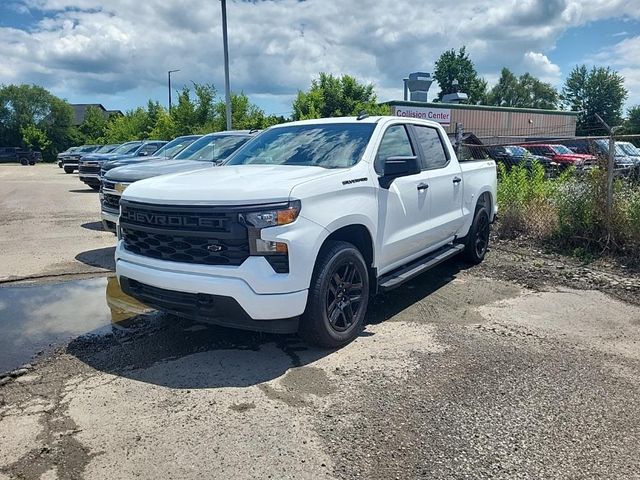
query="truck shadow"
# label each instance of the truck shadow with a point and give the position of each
(177, 353)
(174, 352)
(100, 257)
(387, 305)
(95, 226)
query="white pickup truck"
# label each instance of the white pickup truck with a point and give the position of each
(303, 224)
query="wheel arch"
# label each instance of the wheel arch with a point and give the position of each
(359, 236)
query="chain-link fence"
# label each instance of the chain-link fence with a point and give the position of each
(558, 189)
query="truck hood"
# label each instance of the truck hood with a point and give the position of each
(120, 162)
(140, 171)
(230, 185)
(572, 158)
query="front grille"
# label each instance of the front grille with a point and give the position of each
(95, 169)
(110, 202)
(189, 234)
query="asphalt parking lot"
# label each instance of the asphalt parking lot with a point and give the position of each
(50, 224)
(526, 367)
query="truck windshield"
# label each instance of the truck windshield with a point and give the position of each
(629, 148)
(128, 147)
(336, 145)
(561, 150)
(174, 147)
(212, 148)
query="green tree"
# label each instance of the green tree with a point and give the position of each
(133, 125)
(331, 96)
(94, 125)
(599, 90)
(35, 138)
(523, 92)
(632, 122)
(244, 115)
(452, 65)
(28, 106)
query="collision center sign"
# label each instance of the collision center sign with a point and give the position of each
(440, 115)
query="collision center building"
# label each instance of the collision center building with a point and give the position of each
(492, 125)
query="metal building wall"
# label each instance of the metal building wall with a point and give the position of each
(501, 124)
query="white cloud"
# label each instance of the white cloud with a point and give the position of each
(540, 66)
(624, 56)
(98, 49)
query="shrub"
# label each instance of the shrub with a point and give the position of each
(569, 211)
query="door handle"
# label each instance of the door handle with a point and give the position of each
(456, 180)
(422, 186)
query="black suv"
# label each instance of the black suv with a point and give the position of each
(24, 156)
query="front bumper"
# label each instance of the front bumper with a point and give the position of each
(89, 178)
(197, 290)
(109, 220)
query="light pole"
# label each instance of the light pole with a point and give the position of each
(169, 75)
(227, 89)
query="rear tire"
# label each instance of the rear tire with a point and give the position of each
(477, 241)
(68, 169)
(338, 297)
(24, 161)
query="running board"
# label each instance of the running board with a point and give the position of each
(396, 278)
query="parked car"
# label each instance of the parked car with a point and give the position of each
(70, 162)
(209, 150)
(61, 156)
(624, 164)
(512, 155)
(561, 155)
(167, 151)
(633, 152)
(89, 169)
(23, 156)
(303, 223)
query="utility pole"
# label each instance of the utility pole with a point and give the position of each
(169, 75)
(610, 168)
(227, 89)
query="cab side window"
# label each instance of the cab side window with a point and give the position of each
(432, 148)
(395, 142)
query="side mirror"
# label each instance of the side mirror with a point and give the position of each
(398, 166)
(143, 154)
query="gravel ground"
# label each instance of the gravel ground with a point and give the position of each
(525, 367)
(50, 224)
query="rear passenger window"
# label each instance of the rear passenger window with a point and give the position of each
(395, 142)
(432, 148)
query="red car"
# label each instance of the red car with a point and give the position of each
(559, 154)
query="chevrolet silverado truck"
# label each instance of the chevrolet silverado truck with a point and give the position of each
(71, 160)
(303, 224)
(209, 150)
(89, 167)
(166, 152)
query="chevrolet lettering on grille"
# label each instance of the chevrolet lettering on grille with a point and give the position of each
(173, 220)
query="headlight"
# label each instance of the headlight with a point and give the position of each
(272, 251)
(273, 218)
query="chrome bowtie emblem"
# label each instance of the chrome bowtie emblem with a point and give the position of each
(215, 248)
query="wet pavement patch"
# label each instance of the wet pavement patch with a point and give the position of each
(36, 317)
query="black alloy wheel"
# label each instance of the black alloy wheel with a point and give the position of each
(344, 296)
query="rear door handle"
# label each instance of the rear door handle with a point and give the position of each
(457, 180)
(422, 186)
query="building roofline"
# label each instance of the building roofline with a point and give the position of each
(461, 106)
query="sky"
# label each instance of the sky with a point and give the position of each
(118, 52)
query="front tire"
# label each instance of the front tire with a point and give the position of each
(477, 241)
(338, 297)
(68, 169)
(24, 161)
